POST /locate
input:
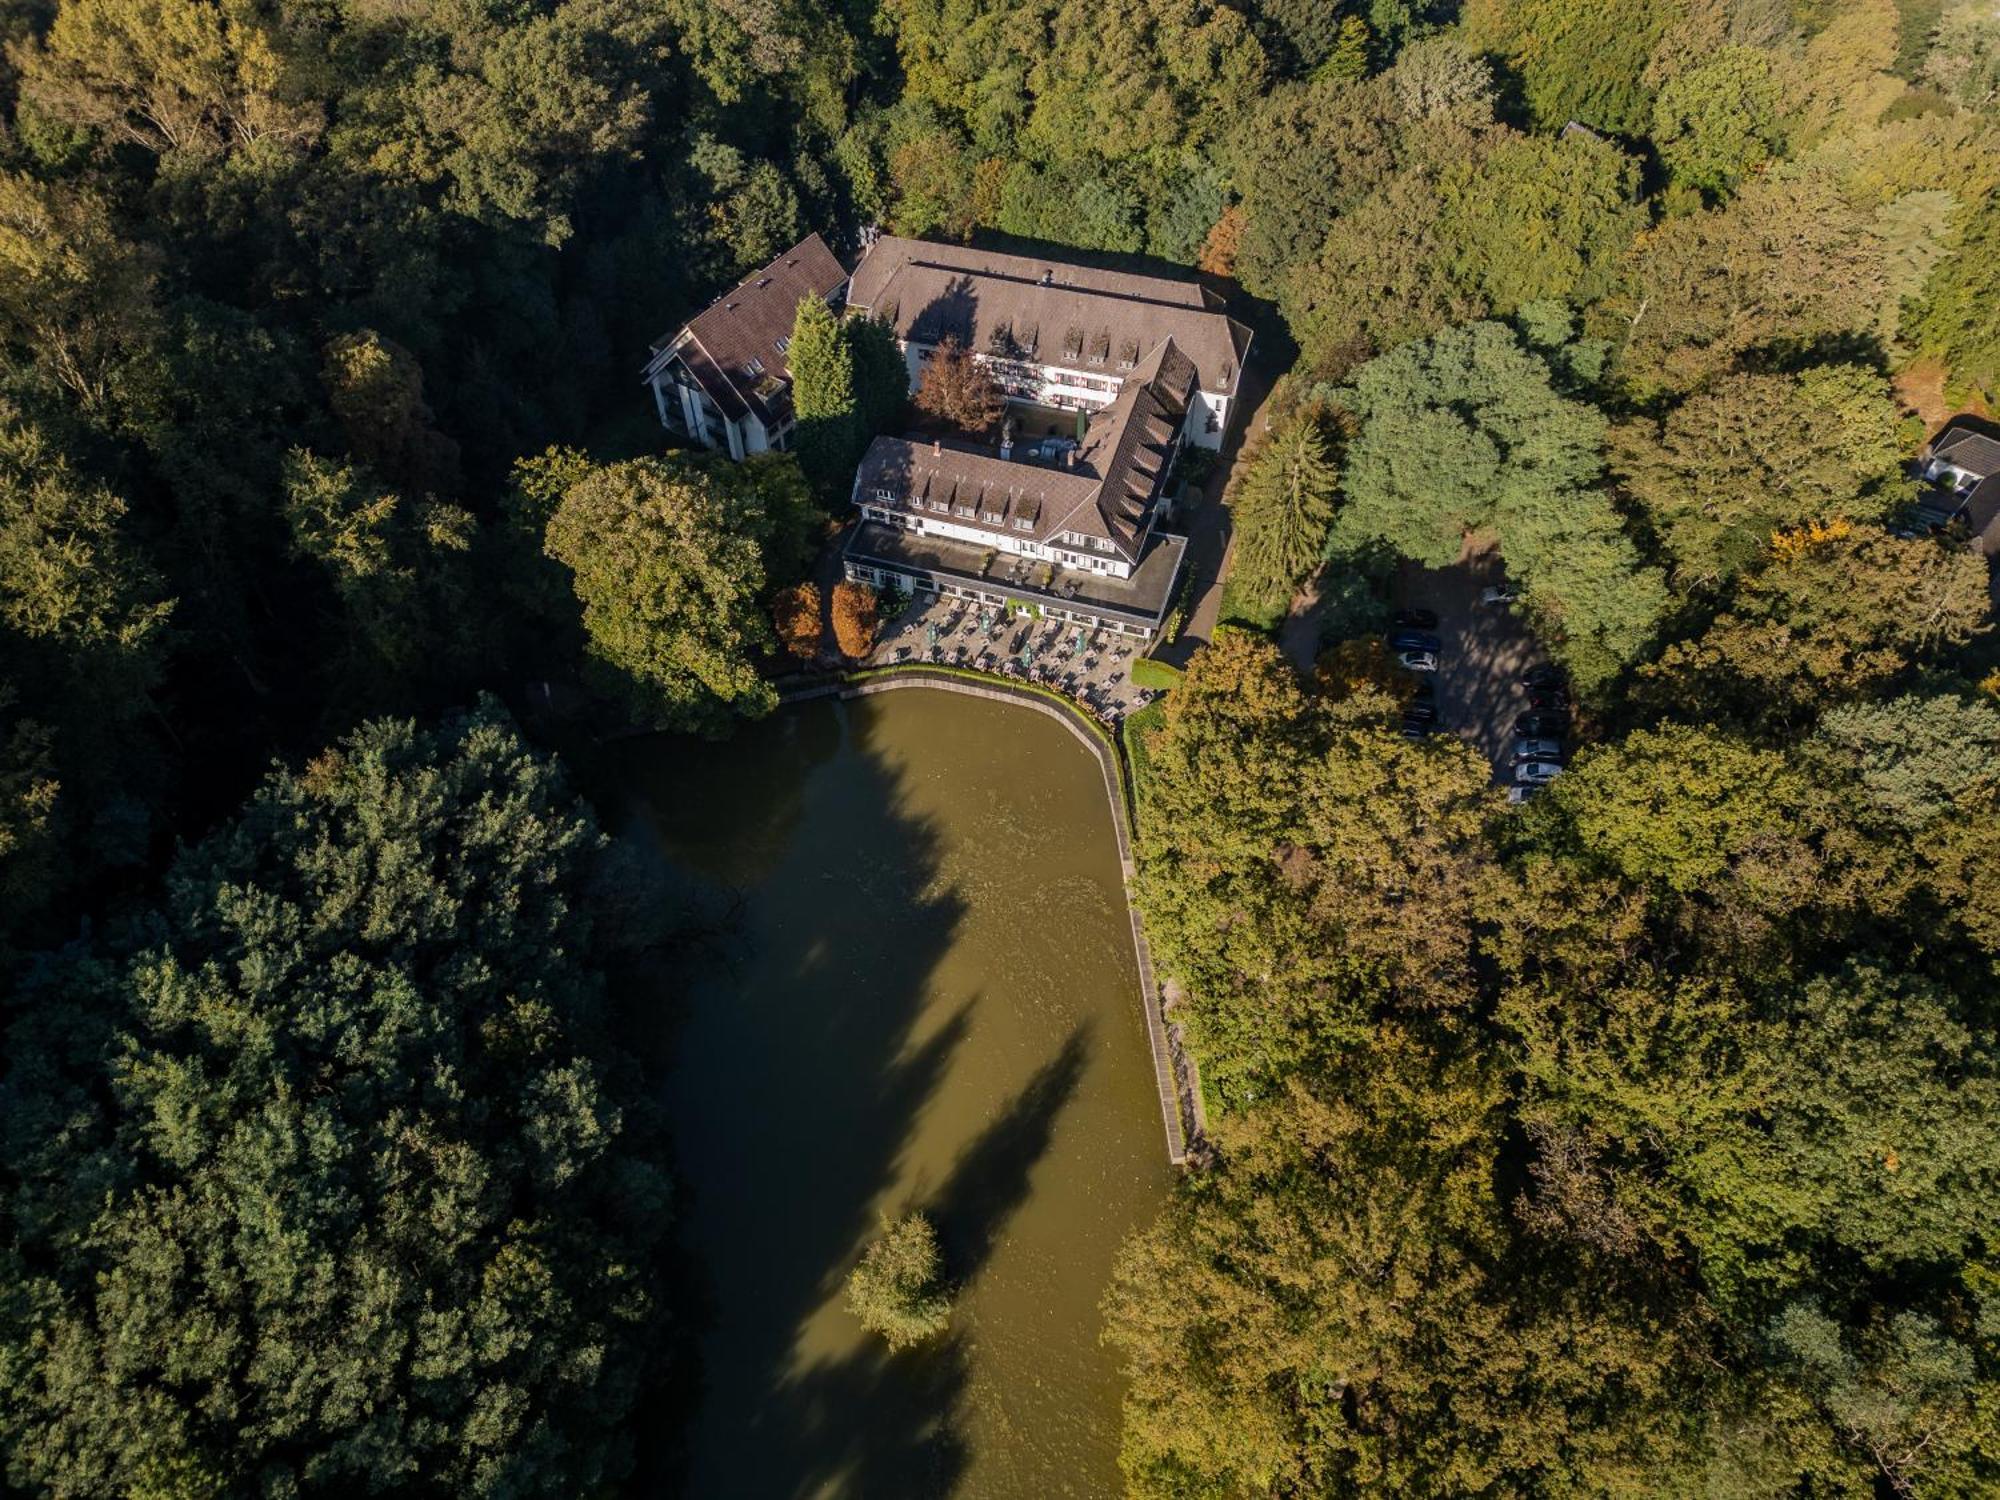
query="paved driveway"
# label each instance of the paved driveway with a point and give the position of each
(1486, 649)
(1209, 532)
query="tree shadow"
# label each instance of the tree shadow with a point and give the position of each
(803, 1058)
(989, 1181)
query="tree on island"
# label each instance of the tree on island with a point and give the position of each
(956, 390)
(856, 614)
(897, 1289)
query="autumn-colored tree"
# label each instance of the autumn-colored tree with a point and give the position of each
(956, 389)
(796, 614)
(855, 617)
(1218, 251)
(1349, 669)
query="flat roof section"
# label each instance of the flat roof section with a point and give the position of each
(1142, 598)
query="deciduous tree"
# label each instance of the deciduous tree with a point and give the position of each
(897, 1289)
(855, 618)
(1751, 454)
(956, 390)
(667, 564)
(427, 1214)
(796, 614)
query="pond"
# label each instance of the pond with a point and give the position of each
(931, 1003)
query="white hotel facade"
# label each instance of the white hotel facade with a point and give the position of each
(1149, 364)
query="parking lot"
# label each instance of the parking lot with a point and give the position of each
(1091, 666)
(1486, 650)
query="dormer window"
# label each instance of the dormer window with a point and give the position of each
(883, 492)
(784, 342)
(756, 366)
(1023, 523)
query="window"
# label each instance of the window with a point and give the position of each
(941, 506)
(756, 366)
(883, 492)
(1022, 523)
(784, 342)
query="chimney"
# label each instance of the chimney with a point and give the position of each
(936, 447)
(1069, 458)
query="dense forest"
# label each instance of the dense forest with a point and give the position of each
(1643, 1140)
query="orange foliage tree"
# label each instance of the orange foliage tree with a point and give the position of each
(955, 388)
(1218, 252)
(855, 616)
(795, 613)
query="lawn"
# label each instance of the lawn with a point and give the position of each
(1240, 609)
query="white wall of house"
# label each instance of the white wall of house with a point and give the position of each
(676, 395)
(1207, 419)
(1944, 472)
(1070, 611)
(1077, 554)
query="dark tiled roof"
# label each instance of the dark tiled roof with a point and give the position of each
(732, 346)
(1108, 492)
(1013, 306)
(1967, 449)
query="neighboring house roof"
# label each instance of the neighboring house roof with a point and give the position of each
(735, 347)
(1968, 449)
(1049, 312)
(1106, 492)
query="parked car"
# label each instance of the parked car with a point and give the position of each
(1520, 794)
(1545, 676)
(1416, 729)
(1418, 661)
(1416, 619)
(1415, 640)
(1426, 691)
(1550, 700)
(1424, 711)
(1536, 772)
(1499, 593)
(1530, 747)
(1542, 726)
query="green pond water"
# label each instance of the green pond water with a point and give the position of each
(929, 1002)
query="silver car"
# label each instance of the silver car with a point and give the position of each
(1536, 772)
(1529, 748)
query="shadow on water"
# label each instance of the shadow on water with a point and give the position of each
(989, 1181)
(802, 1061)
